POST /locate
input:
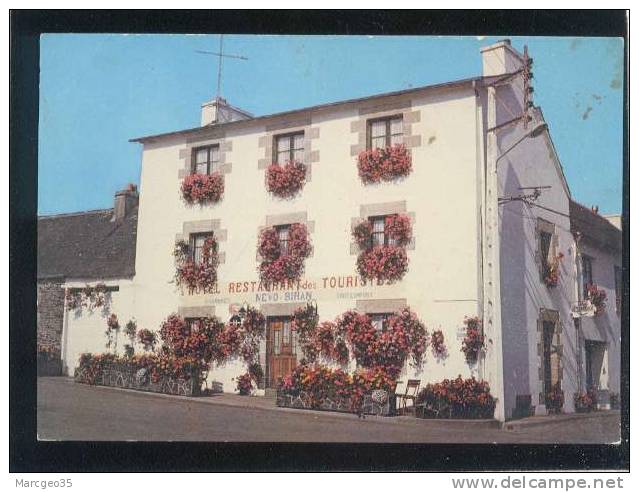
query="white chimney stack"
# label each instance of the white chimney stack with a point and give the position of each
(219, 111)
(500, 58)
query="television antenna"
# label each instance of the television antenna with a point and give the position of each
(221, 55)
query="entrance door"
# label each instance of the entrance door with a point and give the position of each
(280, 349)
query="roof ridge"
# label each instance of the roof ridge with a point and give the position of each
(73, 214)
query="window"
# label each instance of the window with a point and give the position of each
(206, 159)
(545, 240)
(282, 236)
(289, 148)
(618, 289)
(379, 236)
(380, 320)
(193, 323)
(586, 272)
(197, 245)
(385, 132)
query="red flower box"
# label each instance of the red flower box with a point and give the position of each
(202, 188)
(388, 164)
(287, 180)
(278, 266)
(197, 277)
(597, 297)
(384, 263)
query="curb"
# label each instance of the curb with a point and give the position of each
(551, 420)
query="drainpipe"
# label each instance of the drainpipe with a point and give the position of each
(493, 367)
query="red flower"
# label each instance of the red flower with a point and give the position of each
(474, 340)
(375, 165)
(281, 266)
(202, 188)
(598, 298)
(285, 181)
(384, 263)
(197, 277)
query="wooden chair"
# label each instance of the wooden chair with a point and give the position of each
(410, 394)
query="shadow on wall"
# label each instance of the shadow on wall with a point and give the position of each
(515, 325)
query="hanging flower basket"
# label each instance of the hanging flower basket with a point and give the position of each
(286, 181)
(437, 345)
(196, 277)
(552, 275)
(278, 266)
(474, 340)
(202, 188)
(383, 263)
(387, 164)
(147, 338)
(597, 297)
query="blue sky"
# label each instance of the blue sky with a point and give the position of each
(99, 91)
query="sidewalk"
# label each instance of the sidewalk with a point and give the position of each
(531, 422)
(269, 404)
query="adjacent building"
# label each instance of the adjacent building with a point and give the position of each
(490, 209)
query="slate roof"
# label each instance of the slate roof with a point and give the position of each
(594, 228)
(87, 245)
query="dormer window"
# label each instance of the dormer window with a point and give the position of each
(206, 159)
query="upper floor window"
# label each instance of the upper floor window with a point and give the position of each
(197, 245)
(380, 320)
(282, 236)
(379, 236)
(385, 132)
(545, 242)
(618, 288)
(193, 323)
(206, 159)
(586, 272)
(289, 147)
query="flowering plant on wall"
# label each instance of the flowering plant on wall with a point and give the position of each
(386, 164)
(585, 401)
(280, 266)
(551, 278)
(287, 180)
(202, 188)
(113, 326)
(474, 340)
(457, 398)
(130, 330)
(437, 344)
(196, 277)
(383, 263)
(387, 262)
(597, 297)
(88, 297)
(147, 339)
(245, 384)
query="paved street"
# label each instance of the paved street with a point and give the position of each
(70, 411)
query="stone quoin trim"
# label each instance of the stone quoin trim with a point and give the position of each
(380, 305)
(285, 127)
(197, 226)
(196, 311)
(552, 316)
(375, 209)
(285, 219)
(383, 109)
(186, 154)
(549, 228)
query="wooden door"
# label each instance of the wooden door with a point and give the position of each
(280, 350)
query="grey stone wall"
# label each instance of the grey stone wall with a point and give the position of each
(50, 313)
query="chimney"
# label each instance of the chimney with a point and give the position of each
(500, 58)
(219, 111)
(595, 208)
(125, 201)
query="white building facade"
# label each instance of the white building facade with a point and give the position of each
(470, 255)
